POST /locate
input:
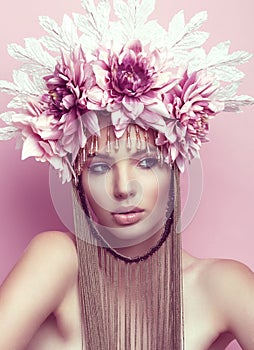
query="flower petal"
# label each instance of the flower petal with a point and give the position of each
(90, 121)
(31, 148)
(120, 122)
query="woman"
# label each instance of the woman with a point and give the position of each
(127, 179)
(43, 287)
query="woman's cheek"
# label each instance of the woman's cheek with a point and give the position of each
(98, 192)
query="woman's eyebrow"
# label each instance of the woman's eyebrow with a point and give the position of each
(143, 151)
(140, 152)
(100, 155)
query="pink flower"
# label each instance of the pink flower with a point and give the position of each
(72, 86)
(42, 136)
(72, 98)
(53, 127)
(190, 104)
(134, 81)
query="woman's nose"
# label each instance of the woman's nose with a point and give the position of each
(124, 186)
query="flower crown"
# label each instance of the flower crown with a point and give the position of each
(131, 68)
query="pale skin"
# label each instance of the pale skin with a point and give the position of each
(39, 302)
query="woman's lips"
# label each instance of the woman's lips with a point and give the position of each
(128, 218)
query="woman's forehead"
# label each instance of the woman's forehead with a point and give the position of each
(135, 141)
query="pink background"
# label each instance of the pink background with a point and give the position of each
(222, 226)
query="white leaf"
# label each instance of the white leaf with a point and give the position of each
(7, 87)
(222, 64)
(122, 10)
(185, 37)
(226, 92)
(49, 25)
(133, 16)
(7, 117)
(197, 20)
(197, 58)
(22, 80)
(218, 52)
(33, 69)
(88, 5)
(144, 10)
(126, 17)
(132, 25)
(180, 58)
(94, 24)
(176, 29)
(234, 105)
(244, 100)
(152, 32)
(193, 40)
(61, 38)
(238, 57)
(69, 32)
(24, 83)
(103, 12)
(52, 43)
(88, 43)
(39, 83)
(32, 53)
(23, 87)
(226, 73)
(88, 28)
(18, 102)
(7, 133)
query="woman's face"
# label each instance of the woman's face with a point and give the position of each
(127, 189)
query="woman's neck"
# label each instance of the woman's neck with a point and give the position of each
(140, 249)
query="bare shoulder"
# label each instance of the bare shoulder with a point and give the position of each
(54, 248)
(57, 242)
(47, 256)
(225, 273)
(54, 237)
(36, 286)
(229, 286)
(222, 280)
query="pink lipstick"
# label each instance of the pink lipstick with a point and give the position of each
(125, 216)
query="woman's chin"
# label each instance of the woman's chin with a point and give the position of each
(127, 236)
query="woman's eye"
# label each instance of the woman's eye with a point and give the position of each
(99, 168)
(148, 163)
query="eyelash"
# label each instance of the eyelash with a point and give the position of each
(94, 168)
(103, 168)
(150, 163)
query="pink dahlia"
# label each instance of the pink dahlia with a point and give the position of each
(134, 81)
(190, 104)
(72, 98)
(41, 134)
